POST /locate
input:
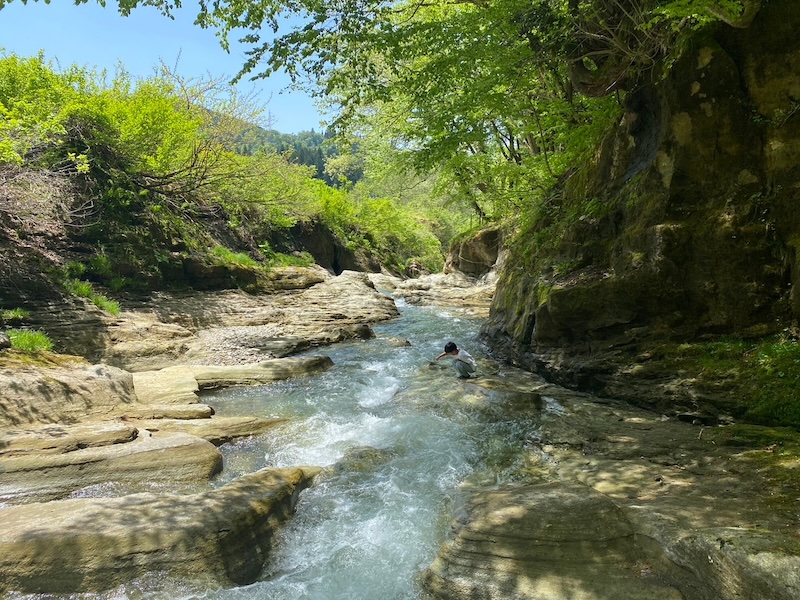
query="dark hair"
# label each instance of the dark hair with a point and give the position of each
(450, 347)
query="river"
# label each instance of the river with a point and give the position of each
(397, 434)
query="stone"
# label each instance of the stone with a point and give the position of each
(166, 411)
(175, 458)
(170, 385)
(544, 542)
(214, 376)
(217, 430)
(58, 439)
(231, 327)
(454, 290)
(91, 544)
(62, 394)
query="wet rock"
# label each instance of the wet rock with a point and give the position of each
(709, 513)
(217, 430)
(360, 460)
(223, 536)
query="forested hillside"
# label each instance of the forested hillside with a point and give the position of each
(134, 185)
(308, 148)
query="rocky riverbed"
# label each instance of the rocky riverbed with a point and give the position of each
(105, 463)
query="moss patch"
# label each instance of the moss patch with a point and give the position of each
(774, 452)
(15, 359)
(762, 376)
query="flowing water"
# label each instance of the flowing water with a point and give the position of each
(397, 434)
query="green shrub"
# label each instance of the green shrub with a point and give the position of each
(101, 266)
(299, 259)
(104, 303)
(76, 287)
(29, 341)
(73, 270)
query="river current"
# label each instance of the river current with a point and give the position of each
(397, 435)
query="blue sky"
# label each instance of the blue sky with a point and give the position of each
(93, 36)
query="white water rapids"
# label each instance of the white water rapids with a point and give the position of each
(398, 436)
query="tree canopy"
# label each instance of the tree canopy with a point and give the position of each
(499, 98)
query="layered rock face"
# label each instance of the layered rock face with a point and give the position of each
(698, 230)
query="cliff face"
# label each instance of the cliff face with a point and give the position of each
(700, 235)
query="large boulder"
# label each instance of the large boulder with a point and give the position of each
(222, 536)
(63, 394)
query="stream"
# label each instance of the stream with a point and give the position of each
(398, 435)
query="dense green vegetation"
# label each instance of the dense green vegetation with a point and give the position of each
(152, 173)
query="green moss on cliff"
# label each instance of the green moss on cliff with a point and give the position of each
(762, 377)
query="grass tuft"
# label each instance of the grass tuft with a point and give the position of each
(29, 341)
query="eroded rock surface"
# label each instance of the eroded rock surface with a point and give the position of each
(223, 536)
(548, 542)
(233, 327)
(614, 502)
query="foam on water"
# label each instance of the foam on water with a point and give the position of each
(396, 439)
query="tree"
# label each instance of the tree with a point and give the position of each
(498, 95)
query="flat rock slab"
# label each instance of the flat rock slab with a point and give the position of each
(166, 411)
(75, 545)
(169, 457)
(544, 542)
(217, 430)
(179, 384)
(57, 439)
(276, 369)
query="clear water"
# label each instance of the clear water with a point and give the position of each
(397, 435)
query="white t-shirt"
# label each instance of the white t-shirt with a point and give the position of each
(465, 356)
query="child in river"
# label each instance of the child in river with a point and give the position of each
(462, 361)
